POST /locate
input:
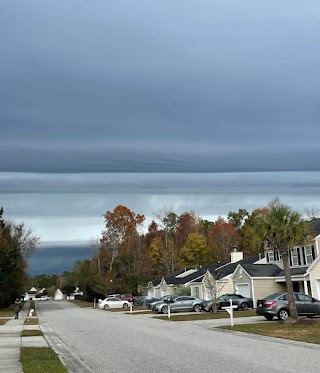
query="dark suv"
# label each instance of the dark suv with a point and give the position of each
(278, 305)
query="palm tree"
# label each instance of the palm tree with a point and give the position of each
(284, 228)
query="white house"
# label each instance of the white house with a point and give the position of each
(59, 295)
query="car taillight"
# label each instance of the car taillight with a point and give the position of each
(269, 304)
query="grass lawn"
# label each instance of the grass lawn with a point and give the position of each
(135, 312)
(4, 312)
(41, 359)
(3, 321)
(32, 306)
(206, 315)
(126, 309)
(298, 332)
(82, 303)
(31, 333)
(31, 322)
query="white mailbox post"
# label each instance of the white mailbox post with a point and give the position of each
(229, 309)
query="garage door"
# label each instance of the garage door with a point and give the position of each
(243, 289)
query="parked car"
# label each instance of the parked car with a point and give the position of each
(114, 295)
(181, 303)
(112, 302)
(43, 297)
(162, 299)
(238, 300)
(128, 297)
(144, 300)
(278, 305)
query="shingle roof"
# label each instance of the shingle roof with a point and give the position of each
(220, 269)
(261, 270)
(229, 268)
(294, 271)
(314, 225)
(270, 270)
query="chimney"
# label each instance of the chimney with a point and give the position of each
(236, 255)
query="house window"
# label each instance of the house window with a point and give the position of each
(277, 255)
(196, 291)
(270, 255)
(294, 257)
(308, 254)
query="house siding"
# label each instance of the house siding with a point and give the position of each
(223, 287)
(264, 287)
(317, 245)
(315, 281)
(241, 277)
(227, 288)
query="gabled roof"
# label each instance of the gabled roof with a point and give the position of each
(174, 280)
(314, 226)
(229, 268)
(262, 270)
(196, 274)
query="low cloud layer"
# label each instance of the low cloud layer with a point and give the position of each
(66, 207)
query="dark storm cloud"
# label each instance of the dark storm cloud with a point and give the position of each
(147, 86)
(53, 259)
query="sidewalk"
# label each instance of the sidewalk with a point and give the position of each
(11, 343)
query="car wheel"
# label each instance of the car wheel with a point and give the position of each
(106, 307)
(164, 309)
(125, 305)
(283, 314)
(268, 317)
(244, 306)
(196, 308)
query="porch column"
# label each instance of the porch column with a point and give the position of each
(305, 284)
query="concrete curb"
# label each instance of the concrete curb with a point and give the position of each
(67, 356)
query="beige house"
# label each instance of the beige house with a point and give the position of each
(252, 276)
(218, 278)
(170, 285)
(261, 280)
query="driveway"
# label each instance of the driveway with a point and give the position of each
(116, 342)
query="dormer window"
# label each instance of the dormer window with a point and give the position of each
(270, 256)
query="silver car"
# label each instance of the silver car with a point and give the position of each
(278, 305)
(161, 300)
(181, 303)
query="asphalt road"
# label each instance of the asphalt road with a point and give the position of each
(116, 342)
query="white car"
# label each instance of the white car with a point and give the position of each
(44, 297)
(113, 302)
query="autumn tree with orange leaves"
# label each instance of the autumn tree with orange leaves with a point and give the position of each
(121, 240)
(222, 238)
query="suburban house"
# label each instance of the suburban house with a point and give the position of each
(218, 278)
(30, 294)
(59, 295)
(195, 278)
(76, 294)
(263, 279)
(170, 285)
(252, 276)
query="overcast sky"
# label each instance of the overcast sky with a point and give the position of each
(205, 105)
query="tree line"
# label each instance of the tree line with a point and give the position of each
(17, 243)
(126, 256)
